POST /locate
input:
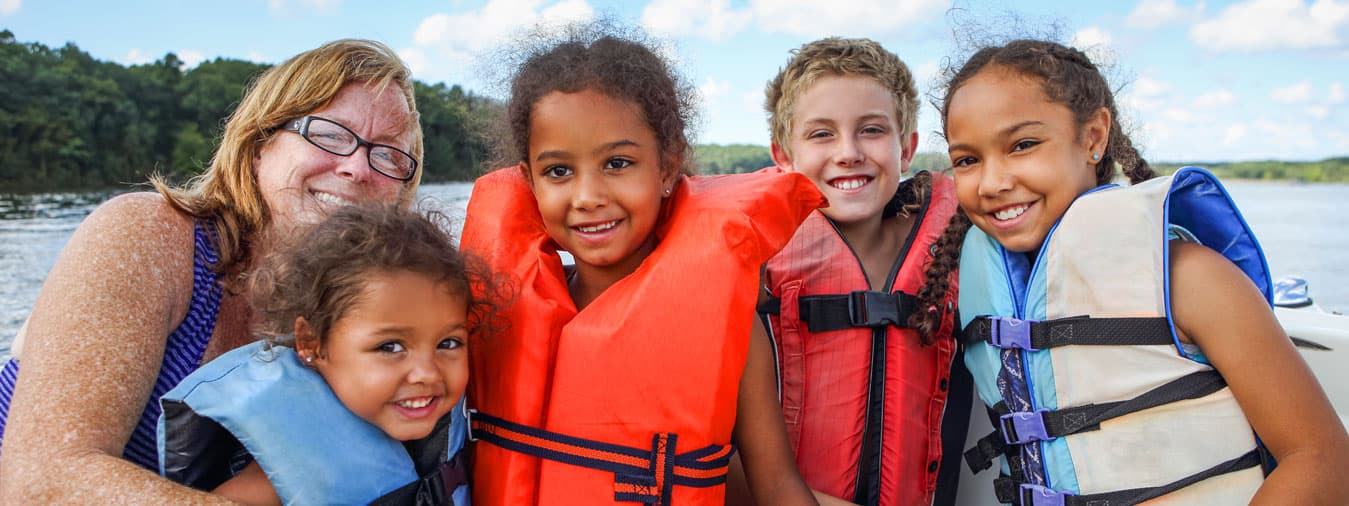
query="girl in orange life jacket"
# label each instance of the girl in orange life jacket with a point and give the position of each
(843, 113)
(626, 377)
(1033, 134)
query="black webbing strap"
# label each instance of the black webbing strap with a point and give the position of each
(1019, 428)
(862, 308)
(433, 489)
(642, 475)
(1005, 332)
(1009, 491)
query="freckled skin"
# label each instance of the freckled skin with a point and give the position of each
(95, 338)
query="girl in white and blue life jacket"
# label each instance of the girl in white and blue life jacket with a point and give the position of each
(356, 396)
(1121, 337)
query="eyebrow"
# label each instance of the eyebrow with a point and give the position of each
(1006, 132)
(607, 147)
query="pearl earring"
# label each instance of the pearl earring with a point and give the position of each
(309, 360)
(667, 192)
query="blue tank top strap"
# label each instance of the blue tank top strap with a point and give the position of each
(183, 349)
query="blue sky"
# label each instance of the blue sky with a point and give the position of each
(1215, 80)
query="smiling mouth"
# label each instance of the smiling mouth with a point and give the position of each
(850, 183)
(599, 227)
(328, 198)
(415, 403)
(1008, 213)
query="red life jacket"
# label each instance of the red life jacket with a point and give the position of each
(863, 398)
(634, 397)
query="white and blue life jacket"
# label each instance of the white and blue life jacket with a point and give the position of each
(1094, 398)
(260, 401)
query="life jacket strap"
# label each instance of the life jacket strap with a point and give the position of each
(1032, 335)
(1023, 427)
(1010, 491)
(861, 308)
(641, 475)
(434, 489)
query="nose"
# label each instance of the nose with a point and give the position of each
(994, 179)
(849, 151)
(423, 369)
(356, 166)
(591, 191)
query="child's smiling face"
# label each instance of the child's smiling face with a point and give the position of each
(1018, 157)
(846, 139)
(596, 171)
(397, 357)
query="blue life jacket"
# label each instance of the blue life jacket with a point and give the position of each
(312, 448)
(1095, 399)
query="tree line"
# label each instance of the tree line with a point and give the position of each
(74, 122)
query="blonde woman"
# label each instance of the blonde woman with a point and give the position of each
(148, 288)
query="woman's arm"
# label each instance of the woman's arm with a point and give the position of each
(760, 433)
(1216, 306)
(93, 347)
(250, 487)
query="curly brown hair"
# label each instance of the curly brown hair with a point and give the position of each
(615, 61)
(1068, 77)
(323, 272)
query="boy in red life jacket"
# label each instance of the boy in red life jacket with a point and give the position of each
(864, 359)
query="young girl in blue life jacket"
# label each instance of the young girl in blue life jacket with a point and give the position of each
(356, 395)
(1121, 337)
(626, 377)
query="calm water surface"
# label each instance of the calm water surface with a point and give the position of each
(1299, 226)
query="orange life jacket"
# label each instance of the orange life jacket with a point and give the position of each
(633, 398)
(863, 398)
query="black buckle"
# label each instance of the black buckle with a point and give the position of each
(878, 309)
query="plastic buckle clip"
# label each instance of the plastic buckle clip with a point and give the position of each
(1037, 495)
(1023, 427)
(468, 421)
(872, 309)
(1010, 333)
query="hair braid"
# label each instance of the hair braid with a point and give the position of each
(945, 261)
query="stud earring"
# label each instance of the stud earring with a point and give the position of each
(309, 360)
(1095, 156)
(667, 192)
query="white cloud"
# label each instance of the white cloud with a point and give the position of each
(710, 19)
(136, 57)
(1300, 92)
(853, 18)
(1150, 88)
(1336, 95)
(453, 39)
(1274, 24)
(1093, 41)
(190, 57)
(287, 6)
(256, 57)
(1218, 98)
(752, 101)
(1177, 115)
(1319, 111)
(713, 89)
(1155, 13)
(1234, 134)
(415, 57)
(8, 7)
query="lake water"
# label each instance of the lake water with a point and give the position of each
(1298, 225)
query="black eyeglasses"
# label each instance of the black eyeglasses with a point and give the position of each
(337, 139)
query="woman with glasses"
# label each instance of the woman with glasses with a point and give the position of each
(151, 284)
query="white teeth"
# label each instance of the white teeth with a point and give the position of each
(414, 403)
(329, 198)
(1011, 212)
(598, 228)
(849, 184)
